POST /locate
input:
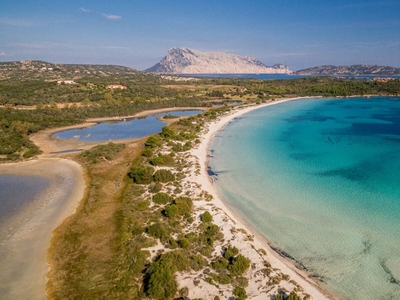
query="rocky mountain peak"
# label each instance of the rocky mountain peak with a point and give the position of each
(190, 61)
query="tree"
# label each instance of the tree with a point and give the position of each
(163, 175)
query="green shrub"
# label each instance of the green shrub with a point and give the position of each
(206, 217)
(162, 160)
(156, 187)
(147, 152)
(230, 252)
(197, 262)
(220, 265)
(153, 142)
(161, 282)
(184, 205)
(184, 243)
(141, 175)
(167, 132)
(157, 230)
(239, 265)
(240, 293)
(171, 211)
(163, 175)
(162, 198)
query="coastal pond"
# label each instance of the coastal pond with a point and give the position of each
(122, 129)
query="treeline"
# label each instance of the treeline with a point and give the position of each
(310, 86)
(92, 100)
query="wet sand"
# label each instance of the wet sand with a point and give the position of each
(25, 238)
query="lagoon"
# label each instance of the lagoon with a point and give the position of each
(319, 178)
(123, 129)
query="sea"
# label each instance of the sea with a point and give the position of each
(320, 179)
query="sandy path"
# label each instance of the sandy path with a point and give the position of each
(25, 239)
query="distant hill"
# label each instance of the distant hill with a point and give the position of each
(35, 69)
(330, 70)
(190, 61)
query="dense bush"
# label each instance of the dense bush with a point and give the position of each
(162, 198)
(164, 175)
(162, 160)
(206, 217)
(141, 174)
(239, 265)
(240, 293)
(157, 230)
(161, 282)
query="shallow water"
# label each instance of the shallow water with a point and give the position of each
(17, 191)
(320, 179)
(125, 129)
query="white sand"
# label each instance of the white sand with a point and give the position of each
(25, 239)
(248, 243)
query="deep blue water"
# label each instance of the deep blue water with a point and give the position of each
(130, 128)
(17, 191)
(320, 178)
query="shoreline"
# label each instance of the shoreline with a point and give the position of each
(26, 238)
(278, 261)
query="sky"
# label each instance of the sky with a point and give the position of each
(138, 33)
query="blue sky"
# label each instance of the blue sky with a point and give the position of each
(138, 34)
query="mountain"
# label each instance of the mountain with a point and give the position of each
(189, 61)
(330, 70)
(36, 69)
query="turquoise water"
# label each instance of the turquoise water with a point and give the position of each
(320, 178)
(130, 128)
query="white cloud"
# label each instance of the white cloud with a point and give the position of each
(112, 17)
(85, 10)
(3, 54)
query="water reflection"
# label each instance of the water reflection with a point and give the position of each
(124, 129)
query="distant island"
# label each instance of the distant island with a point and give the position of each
(353, 70)
(190, 61)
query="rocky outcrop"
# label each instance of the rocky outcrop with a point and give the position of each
(353, 70)
(189, 61)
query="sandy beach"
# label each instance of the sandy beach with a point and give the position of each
(239, 233)
(25, 239)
